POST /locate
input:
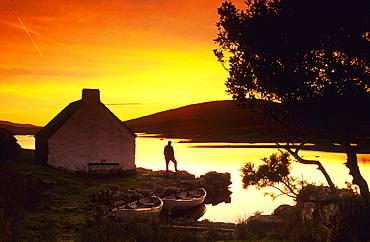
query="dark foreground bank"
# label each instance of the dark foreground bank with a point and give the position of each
(39, 203)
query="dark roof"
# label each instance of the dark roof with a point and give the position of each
(119, 120)
(64, 115)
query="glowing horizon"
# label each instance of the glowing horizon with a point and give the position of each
(158, 55)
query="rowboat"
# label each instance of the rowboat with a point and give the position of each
(184, 200)
(193, 213)
(143, 209)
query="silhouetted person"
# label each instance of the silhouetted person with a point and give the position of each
(169, 155)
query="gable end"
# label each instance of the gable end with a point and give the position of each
(59, 120)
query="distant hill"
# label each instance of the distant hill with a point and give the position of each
(219, 121)
(20, 128)
(210, 121)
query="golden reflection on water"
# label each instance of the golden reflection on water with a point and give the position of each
(198, 161)
(364, 159)
(26, 141)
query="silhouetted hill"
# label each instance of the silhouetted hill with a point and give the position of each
(20, 128)
(210, 121)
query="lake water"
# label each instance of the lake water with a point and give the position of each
(226, 157)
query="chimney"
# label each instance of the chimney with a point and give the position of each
(90, 95)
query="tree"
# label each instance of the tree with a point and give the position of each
(310, 61)
(9, 148)
(275, 173)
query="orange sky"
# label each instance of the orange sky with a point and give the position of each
(145, 55)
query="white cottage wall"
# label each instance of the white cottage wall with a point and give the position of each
(91, 135)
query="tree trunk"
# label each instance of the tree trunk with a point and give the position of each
(354, 171)
(320, 167)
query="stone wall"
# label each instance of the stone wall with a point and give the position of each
(91, 135)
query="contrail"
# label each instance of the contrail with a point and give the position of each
(25, 29)
(183, 93)
(108, 63)
(29, 35)
(91, 57)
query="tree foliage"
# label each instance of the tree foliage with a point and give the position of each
(296, 49)
(312, 57)
(273, 172)
(316, 52)
(9, 148)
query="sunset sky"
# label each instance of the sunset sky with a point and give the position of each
(145, 56)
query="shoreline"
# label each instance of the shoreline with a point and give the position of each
(242, 142)
(238, 142)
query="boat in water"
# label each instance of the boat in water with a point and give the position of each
(184, 200)
(193, 213)
(143, 209)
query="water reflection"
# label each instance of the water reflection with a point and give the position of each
(201, 158)
(221, 197)
(364, 159)
(193, 213)
(26, 141)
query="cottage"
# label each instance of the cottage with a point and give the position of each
(86, 135)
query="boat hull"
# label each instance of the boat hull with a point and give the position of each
(193, 213)
(143, 209)
(184, 200)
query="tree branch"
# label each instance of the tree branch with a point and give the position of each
(290, 189)
(320, 167)
(282, 192)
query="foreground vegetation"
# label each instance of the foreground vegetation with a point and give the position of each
(43, 204)
(39, 203)
(320, 79)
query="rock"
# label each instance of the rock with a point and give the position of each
(102, 208)
(190, 184)
(322, 215)
(285, 211)
(171, 190)
(137, 195)
(118, 203)
(121, 189)
(129, 196)
(157, 189)
(284, 214)
(184, 175)
(118, 195)
(145, 192)
(217, 187)
(216, 184)
(318, 204)
(312, 193)
(267, 218)
(216, 178)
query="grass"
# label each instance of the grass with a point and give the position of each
(63, 200)
(63, 211)
(103, 229)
